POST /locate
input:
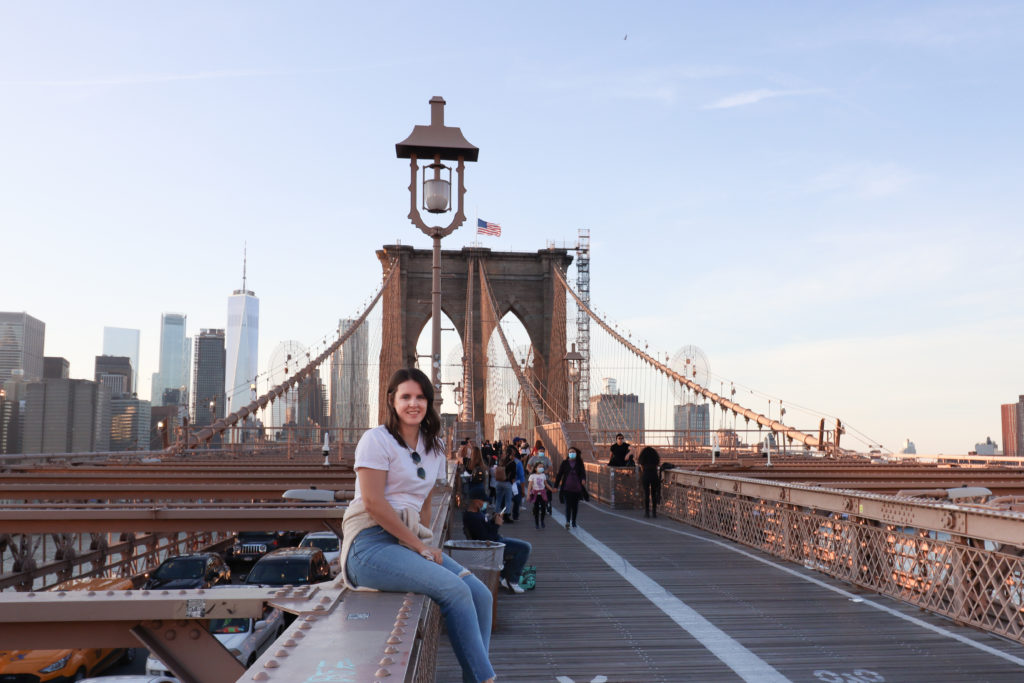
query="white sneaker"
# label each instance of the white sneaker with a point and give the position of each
(515, 587)
(504, 583)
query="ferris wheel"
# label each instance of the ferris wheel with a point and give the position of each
(287, 357)
(690, 362)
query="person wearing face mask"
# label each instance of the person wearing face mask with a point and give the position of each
(539, 493)
(479, 526)
(572, 485)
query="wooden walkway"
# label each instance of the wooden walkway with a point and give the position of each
(679, 604)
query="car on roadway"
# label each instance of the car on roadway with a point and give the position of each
(198, 570)
(250, 546)
(243, 637)
(328, 542)
(73, 664)
(290, 567)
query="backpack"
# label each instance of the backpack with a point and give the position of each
(499, 473)
(528, 579)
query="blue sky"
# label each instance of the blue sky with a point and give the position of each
(825, 197)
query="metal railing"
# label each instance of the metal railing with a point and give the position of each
(961, 561)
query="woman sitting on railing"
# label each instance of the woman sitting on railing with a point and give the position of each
(386, 523)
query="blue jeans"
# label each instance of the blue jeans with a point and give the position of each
(376, 560)
(516, 554)
(503, 499)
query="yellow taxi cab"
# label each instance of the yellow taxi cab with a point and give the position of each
(57, 666)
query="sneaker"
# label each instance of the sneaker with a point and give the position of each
(515, 587)
(504, 583)
(567, 525)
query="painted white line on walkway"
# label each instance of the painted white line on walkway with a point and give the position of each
(745, 663)
(731, 545)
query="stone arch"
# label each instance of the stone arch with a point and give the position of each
(519, 281)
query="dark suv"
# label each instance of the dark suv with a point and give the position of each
(252, 545)
(198, 570)
(290, 567)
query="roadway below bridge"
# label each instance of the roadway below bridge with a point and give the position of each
(623, 598)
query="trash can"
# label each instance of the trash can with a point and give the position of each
(485, 559)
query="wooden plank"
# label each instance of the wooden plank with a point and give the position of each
(584, 620)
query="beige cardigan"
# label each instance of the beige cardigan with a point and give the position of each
(357, 519)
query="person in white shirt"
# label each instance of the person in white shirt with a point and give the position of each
(397, 465)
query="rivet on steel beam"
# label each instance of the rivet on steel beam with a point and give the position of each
(111, 594)
(410, 595)
(390, 650)
(61, 593)
(407, 602)
(170, 634)
(304, 626)
(382, 673)
(298, 634)
(398, 632)
(281, 653)
(145, 592)
(32, 595)
(393, 640)
(326, 599)
(193, 634)
(270, 664)
(261, 676)
(319, 608)
(387, 661)
(290, 643)
(310, 617)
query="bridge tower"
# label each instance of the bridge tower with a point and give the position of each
(521, 282)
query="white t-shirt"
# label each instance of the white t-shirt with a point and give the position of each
(378, 450)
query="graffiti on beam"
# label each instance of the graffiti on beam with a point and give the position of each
(344, 671)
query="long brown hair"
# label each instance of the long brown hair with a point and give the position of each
(430, 427)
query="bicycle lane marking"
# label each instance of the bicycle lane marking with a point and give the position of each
(835, 589)
(745, 663)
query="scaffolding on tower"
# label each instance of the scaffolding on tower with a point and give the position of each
(583, 319)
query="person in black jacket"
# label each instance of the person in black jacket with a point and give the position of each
(650, 479)
(478, 526)
(572, 484)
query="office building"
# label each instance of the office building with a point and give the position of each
(1013, 428)
(55, 367)
(21, 346)
(241, 347)
(612, 412)
(208, 378)
(169, 416)
(115, 372)
(988, 447)
(66, 416)
(350, 382)
(692, 425)
(129, 424)
(121, 341)
(175, 352)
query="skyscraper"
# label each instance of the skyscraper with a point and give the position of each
(692, 425)
(129, 424)
(242, 346)
(121, 341)
(66, 416)
(1013, 428)
(56, 367)
(208, 378)
(350, 385)
(116, 373)
(612, 412)
(21, 345)
(175, 351)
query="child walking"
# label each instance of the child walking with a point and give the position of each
(539, 492)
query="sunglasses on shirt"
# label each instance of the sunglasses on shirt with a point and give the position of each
(420, 472)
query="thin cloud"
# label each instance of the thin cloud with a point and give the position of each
(148, 79)
(754, 96)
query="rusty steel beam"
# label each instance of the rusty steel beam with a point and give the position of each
(147, 491)
(37, 519)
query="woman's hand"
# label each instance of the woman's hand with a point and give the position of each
(432, 554)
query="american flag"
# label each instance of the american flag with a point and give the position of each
(485, 228)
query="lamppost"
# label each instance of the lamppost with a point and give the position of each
(574, 358)
(511, 408)
(436, 142)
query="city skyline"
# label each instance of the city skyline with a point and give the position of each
(826, 196)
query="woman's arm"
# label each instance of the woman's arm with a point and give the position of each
(371, 489)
